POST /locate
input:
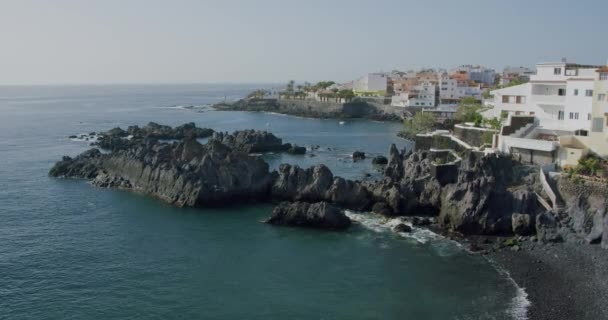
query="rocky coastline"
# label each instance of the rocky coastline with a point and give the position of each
(488, 202)
(312, 109)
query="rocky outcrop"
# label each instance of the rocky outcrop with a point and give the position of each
(379, 160)
(252, 141)
(315, 109)
(547, 227)
(320, 215)
(358, 155)
(483, 200)
(318, 184)
(182, 173)
(522, 224)
(119, 139)
(86, 165)
(480, 201)
(585, 212)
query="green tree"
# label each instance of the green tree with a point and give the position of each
(322, 85)
(468, 111)
(494, 123)
(346, 94)
(259, 94)
(421, 122)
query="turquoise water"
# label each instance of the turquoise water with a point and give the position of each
(71, 251)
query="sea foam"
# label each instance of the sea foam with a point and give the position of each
(380, 224)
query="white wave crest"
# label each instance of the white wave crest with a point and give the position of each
(380, 224)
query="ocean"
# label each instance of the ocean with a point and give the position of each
(72, 251)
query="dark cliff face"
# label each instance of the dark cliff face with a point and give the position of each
(184, 174)
(318, 184)
(480, 201)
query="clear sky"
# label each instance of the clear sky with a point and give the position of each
(137, 41)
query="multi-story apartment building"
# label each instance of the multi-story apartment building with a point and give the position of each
(421, 95)
(478, 74)
(372, 83)
(559, 95)
(552, 118)
(453, 89)
(597, 139)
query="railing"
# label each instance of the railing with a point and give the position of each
(553, 99)
(546, 186)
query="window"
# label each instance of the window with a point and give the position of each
(576, 116)
(571, 72)
(589, 93)
(604, 76)
(557, 71)
(561, 92)
(581, 132)
(597, 125)
(601, 97)
(560, 115)
(571, 115)
(588, 116)
(505, 99)
(576, 92)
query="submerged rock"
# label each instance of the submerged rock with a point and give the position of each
(358, 155)
(382, 208)
(296, 150)
(320, 215)
(379, 160)
(402, 227)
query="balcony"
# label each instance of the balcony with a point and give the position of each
(548, 99)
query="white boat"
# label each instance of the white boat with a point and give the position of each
(342, 123)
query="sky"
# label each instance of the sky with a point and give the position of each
(271, 41)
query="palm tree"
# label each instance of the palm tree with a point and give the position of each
(290, 85)
(335, 91)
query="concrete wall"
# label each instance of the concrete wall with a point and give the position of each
(427, 142)
(516, 124)
(533, 156)
(473, 136)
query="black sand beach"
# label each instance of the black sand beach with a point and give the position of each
(563, 281)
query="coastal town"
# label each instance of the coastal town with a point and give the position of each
(554, 113)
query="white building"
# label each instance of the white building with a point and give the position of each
(422, 95)
(597, 139)
(559, 96)
(372, 82)
(442, 113)
(452, 90)
(478, 74)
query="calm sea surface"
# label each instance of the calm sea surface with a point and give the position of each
(71, 251)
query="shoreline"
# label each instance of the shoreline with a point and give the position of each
(562, 281)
